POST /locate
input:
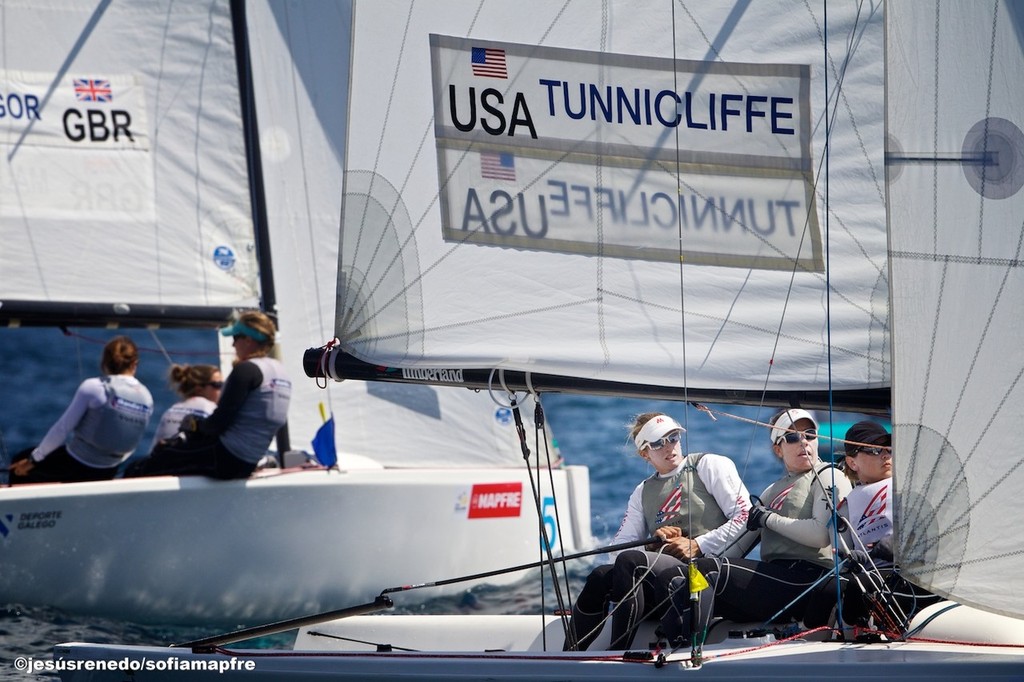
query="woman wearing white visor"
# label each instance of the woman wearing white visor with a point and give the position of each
(696, 503)
(794, 518)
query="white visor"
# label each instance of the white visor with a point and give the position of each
(655, 429)
(786, 421)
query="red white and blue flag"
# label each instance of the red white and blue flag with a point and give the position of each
(673, 503)
(93, 90)
(489, 62)
(671, 506)
(497, 166)
(876, 507)
(780, 499)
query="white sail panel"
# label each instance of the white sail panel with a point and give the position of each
(412, 295)
(301, 107)
(956, 221)
(123, 163)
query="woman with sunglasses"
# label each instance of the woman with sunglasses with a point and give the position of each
(867, 537)
(199, 387)
(793, 517)
(695, 503)
(868, 508)
(252, 408)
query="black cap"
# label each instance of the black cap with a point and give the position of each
(867, 432)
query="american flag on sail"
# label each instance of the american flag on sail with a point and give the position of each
(497, 166)
(93, 90)
(489, 62)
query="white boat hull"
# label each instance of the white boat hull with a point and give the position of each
(515, 648)
(196, 551)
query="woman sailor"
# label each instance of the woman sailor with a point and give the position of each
(794, 523)
(253, 406)
(105, 422)
(697, 504)
(877, 591)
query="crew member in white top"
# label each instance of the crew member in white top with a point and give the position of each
(796, 550)
(100, 428)
(697, 504)
(877, 595)
(199, 387)
(252, 408)
(868, 507)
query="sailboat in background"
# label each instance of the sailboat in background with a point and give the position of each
(815, 205)
(134, 197)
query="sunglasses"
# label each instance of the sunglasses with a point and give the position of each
(662, 442)
(214, 384)
(876, 452)
(791, 437)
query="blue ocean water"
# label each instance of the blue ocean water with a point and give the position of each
(40, 369)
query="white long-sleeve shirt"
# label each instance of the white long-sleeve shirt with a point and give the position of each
(723, 482)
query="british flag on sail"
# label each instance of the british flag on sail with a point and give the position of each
(489, 62)
(93, 90)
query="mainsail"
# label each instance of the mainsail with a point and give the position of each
(301, 92)
(121, 201)
(641, 194)
(955, 171)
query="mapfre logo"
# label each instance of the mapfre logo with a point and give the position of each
(495, 500)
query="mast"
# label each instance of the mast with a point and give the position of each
(268, 298)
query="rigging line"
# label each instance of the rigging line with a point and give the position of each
(838, 540)
(541, 432)
(637, 584)
(377, 645)
(828, 307)
(829, 117)
(682, 280)
(599, 181)
(525, 567)
(163, 350)
(535, 489)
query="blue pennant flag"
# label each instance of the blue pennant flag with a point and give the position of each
(323, 444)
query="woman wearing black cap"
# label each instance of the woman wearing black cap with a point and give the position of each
(868, 507)
(794, 524)
(868, 511)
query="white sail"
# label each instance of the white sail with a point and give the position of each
(116, 193)
(423, 297)
(577, 253)
(90, 548)
(956, 222)
(299, 52)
